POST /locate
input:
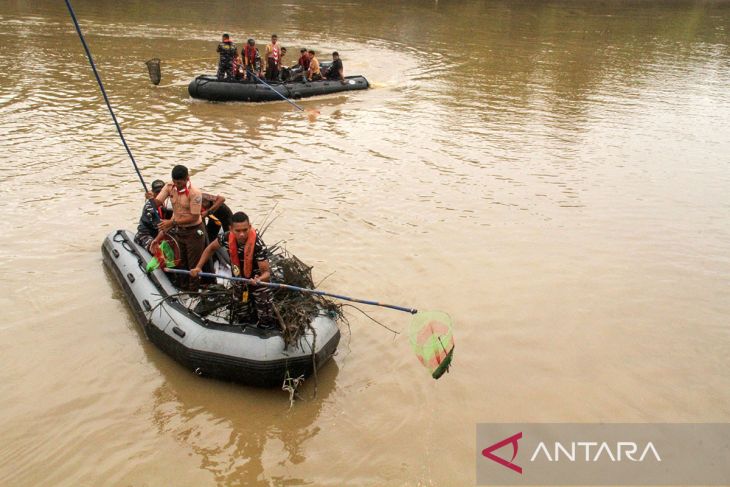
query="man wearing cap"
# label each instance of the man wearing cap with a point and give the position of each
(227, 51)
(152, 214)
(186, 224)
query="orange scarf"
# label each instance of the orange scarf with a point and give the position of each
(247, 252)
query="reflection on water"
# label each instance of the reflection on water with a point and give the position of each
(551, 173)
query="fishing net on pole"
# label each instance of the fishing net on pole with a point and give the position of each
(432, 339)
(153, 67)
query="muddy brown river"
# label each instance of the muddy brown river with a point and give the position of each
(553, 174)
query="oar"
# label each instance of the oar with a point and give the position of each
(277, 285)
(311, 112)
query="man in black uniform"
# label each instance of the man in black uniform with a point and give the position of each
(249, 259)
(227, 51)
(151, 216)
(218, 214)
(335, 71)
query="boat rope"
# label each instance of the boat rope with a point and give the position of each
(103, 91)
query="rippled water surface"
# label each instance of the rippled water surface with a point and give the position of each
(554, 174)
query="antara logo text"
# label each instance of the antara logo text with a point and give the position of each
(574, 451)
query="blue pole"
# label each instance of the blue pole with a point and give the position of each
(103, 91)
(274, 90)
(299, 289)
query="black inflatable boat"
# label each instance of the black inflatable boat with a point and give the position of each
(204, 344)
(209, 88)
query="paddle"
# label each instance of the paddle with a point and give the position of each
(309, 112)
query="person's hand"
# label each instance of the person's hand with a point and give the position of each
(195, 271)
(255, 281)
(165, 225)
(204, 213)
(149, 195)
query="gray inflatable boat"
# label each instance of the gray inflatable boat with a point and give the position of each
(210, 346)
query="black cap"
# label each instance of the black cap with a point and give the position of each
(251, 41)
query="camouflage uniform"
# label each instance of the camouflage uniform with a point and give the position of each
(227, 51)
(260, 296)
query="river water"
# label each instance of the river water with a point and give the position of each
(553, 174)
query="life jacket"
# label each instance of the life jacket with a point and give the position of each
(274, 51)
(250, 53)
(247, 253)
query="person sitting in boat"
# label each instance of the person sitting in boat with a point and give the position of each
(152, 214)
(218, 214)
(303, 61)
(251, 60)
(298, 71)
(250, 259)
(273, 59)
(227, 51)
(335, 71)
(313, 73)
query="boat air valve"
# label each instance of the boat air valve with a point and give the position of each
(199, 372)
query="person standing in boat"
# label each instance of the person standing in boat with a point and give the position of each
(186, 224)
(313, 73)
(151, 215)
(218, 214)
(250, 259)
(335, 71)
(237, 66)
(227, 51)
(273, 59)
(251, 60)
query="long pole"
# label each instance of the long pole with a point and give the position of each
(274, 90)
(103, 92)
(277, 285)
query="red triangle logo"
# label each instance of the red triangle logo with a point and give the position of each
(487, 452)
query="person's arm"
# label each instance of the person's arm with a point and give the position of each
(341, 72)
(207, 253)
(265, 269)
(219, 200)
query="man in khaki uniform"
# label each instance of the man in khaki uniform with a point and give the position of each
(186, 224)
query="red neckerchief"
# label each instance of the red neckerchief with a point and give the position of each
(247, 252)
(185, 191)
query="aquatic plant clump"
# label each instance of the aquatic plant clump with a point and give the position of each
(296, 309)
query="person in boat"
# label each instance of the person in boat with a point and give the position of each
(298, 71)
(227, 51)
(151, 215)
(218, 214)
(186, 224)
(251, 60)
(335, 72)
(250, 259)
(273, 59)
(313, 73)
(284, 71)
(238, 66)
(303, 61)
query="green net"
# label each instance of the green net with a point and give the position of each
(432, 340)
(164, 256)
